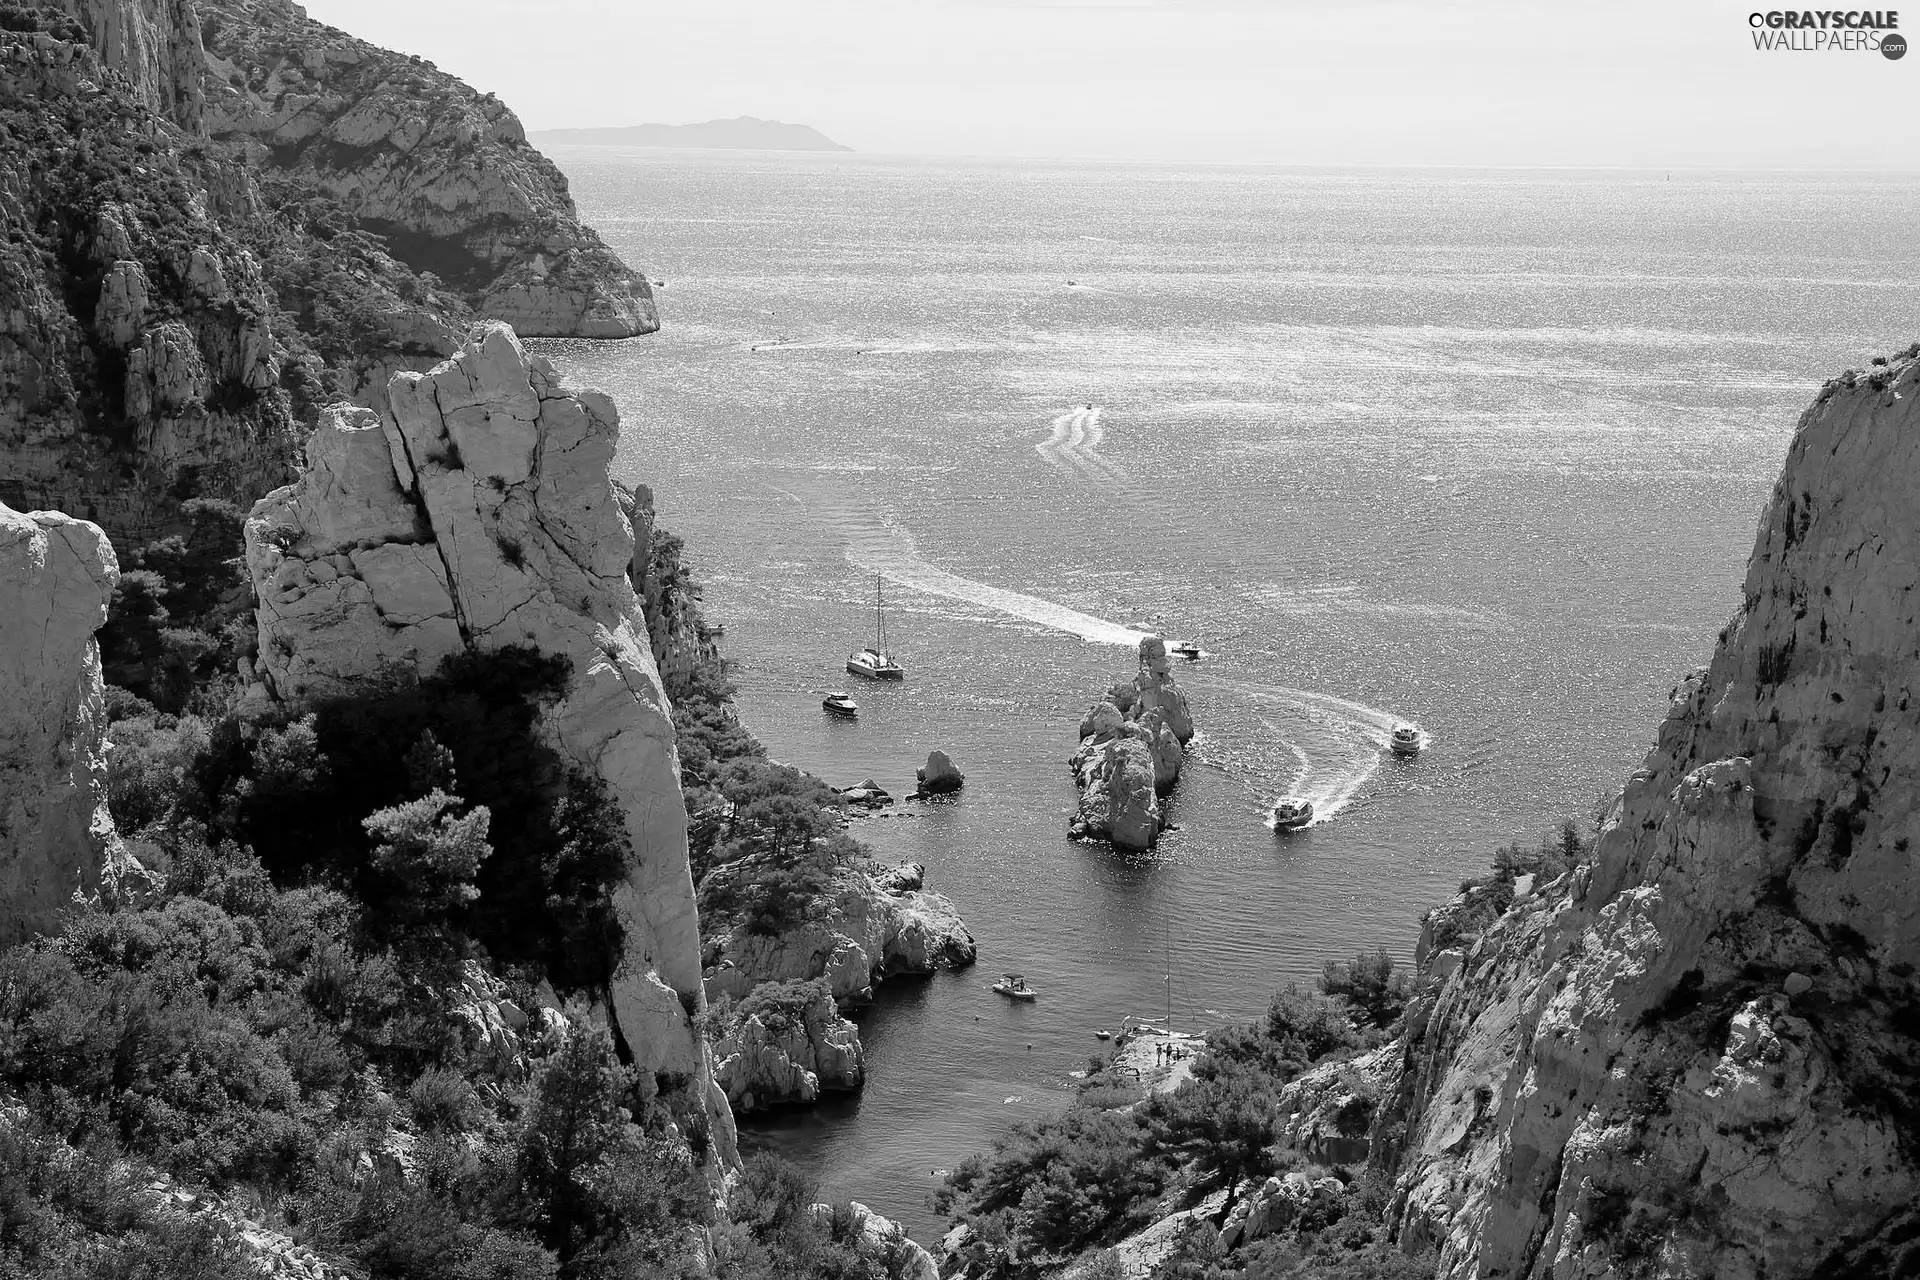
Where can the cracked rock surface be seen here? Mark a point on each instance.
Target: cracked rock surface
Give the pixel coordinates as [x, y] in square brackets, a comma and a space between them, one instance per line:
[480, 515]
[56, 576]
[1699, 1056]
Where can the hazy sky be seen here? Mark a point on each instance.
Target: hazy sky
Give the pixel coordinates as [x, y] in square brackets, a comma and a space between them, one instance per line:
[1605, 82]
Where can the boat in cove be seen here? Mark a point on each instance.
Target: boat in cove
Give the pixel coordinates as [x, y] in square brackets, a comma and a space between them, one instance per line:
[876, 662]
[840, 704]
[1405, 740]
[1014, 987]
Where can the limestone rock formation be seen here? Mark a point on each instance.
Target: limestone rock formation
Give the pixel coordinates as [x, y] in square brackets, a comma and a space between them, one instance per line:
[480, 515]
[1698, 1055]
[446, 174]
[885, 1236]
[680, 639]
[1131, 746]
[56, 576]
[874, 925]
[776, 1057]
[939, 775]
[155, 44]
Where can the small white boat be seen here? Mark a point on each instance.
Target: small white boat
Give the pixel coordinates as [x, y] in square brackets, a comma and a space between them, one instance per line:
[875, 662]
[1405, 740]
[840, 704]
[1185, 649]
[1291, 814]
[1103, 1035]
[1014, 987]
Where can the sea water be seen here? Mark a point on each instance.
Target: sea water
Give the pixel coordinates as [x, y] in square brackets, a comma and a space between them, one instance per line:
[1480, 450]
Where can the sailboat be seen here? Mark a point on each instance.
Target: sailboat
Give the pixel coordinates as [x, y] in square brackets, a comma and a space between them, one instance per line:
[874, 662]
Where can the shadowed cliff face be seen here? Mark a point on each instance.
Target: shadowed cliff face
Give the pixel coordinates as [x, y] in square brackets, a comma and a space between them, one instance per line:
[444, 173]
[1701, 1054]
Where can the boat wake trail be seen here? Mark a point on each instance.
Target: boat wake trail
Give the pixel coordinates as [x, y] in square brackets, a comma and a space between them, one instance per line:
[1328, 747]
[1072, 448]
[878, 547]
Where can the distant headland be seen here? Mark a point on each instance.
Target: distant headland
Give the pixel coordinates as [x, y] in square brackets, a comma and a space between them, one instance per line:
[746, 132]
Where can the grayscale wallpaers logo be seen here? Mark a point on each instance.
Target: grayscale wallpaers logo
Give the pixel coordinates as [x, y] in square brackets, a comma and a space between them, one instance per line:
[1829, 31]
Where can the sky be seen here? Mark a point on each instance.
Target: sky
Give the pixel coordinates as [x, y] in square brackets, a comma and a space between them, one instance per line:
[1372, 82]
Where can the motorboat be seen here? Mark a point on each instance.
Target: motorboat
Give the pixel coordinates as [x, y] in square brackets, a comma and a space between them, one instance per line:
[1185, 648]
[1103, 1034]
[1014, 987]
[875, 662]
[1405, 740]
[840, 704]
[1291, 814]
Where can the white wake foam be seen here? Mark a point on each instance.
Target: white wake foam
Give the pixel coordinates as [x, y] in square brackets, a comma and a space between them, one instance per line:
[1336, 744]
[878, 547]
[1072, 448]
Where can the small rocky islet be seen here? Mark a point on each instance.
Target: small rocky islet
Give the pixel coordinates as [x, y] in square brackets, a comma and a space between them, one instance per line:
[263, 286]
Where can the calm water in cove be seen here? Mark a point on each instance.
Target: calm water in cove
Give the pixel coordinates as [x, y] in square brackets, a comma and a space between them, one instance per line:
[1478, 449]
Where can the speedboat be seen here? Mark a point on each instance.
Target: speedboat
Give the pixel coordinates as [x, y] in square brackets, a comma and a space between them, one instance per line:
[874, 662]
[1185, 648]
[1103, 1034]
[1291, 814]
[840, 704]
[1014, 987]
[1405, 740]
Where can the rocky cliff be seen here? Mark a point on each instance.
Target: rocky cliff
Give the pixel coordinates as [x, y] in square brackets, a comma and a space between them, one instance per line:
[477, 515]
[870, 925]
[443, 173]
[182, 290]
[1700, 1054]
[1131, 745]
[56, 574]
[786, 1046]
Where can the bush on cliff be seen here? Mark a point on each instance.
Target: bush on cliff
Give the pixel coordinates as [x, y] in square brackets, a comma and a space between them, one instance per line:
[180, 615]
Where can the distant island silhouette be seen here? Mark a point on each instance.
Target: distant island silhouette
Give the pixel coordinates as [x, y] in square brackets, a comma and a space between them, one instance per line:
[747, 132]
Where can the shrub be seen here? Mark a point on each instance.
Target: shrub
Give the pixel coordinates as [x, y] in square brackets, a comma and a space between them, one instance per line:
[1371, 983]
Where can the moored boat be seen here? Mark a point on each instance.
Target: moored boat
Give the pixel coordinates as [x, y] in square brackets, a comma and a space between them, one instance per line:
[1014, 987]
[840, 704]
[875, 662]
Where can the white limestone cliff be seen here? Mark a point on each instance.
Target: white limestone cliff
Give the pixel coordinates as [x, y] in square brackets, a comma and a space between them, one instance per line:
[1698, 1055]
[56, 576]
[479, 515]
[1132, 743]
[788, 1054]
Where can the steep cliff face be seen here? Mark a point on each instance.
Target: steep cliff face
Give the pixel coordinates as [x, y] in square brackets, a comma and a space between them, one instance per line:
[179, 305]
[680, 639]
[56, 574]
[155, 44]
[1700, 1055]
[479, 514]
[446, 174]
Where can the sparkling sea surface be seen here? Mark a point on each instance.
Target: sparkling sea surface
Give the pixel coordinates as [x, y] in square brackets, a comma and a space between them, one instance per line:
[1478, 449]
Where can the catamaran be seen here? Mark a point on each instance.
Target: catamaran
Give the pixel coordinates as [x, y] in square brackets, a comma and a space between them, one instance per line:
[875, 662]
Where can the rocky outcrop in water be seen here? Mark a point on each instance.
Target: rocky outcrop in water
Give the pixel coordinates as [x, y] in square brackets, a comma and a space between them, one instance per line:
[786, 1046]
[1699, 1055]
[56, 575]
[870, 926]
[1131, 746]
[939, 775]
[480, 515]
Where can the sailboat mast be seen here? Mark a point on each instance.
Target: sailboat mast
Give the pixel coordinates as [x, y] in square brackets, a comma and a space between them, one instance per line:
[879, 618]
[1169, 938]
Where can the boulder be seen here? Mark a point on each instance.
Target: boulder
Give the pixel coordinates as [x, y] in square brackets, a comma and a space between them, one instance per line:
[939, 775]
[56, 577]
